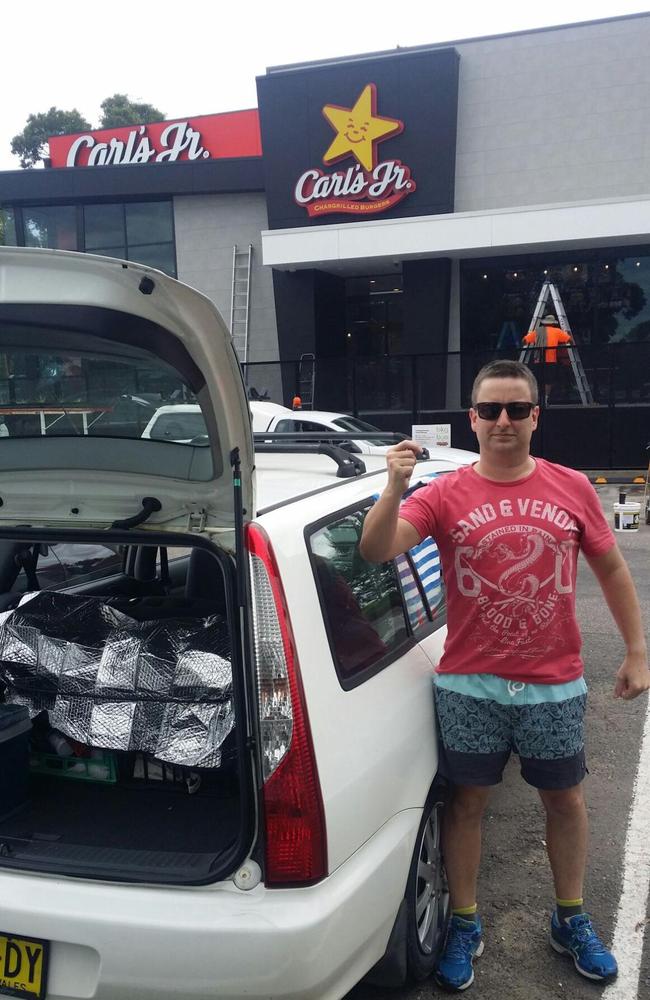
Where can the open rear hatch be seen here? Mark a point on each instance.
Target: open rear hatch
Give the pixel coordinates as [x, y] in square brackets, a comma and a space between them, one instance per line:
[124, 711]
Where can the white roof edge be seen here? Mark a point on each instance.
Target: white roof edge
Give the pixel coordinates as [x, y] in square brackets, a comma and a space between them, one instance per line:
[502, 230]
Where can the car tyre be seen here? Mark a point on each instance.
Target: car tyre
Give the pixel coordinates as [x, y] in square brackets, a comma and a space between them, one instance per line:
[427, 895]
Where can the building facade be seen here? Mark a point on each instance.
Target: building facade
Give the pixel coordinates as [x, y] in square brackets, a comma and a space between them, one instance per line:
[408, 212]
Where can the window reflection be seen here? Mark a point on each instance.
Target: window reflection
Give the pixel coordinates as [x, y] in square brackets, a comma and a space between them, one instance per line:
[606, 296]
[53, 227]
[137, 231]
[7, 227]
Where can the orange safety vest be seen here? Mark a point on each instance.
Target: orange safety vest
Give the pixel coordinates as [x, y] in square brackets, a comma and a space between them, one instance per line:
[554, 338]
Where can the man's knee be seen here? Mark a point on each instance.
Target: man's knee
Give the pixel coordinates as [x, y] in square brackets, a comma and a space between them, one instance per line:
[563, 801]
[468, 803]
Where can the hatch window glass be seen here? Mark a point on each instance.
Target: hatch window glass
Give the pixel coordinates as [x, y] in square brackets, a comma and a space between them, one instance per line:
[362, 601]
[86, 387]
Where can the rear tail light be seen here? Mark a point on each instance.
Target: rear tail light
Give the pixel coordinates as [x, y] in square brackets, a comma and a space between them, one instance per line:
[296, 852]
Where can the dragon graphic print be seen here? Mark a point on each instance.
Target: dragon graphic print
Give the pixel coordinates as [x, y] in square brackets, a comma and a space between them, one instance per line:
[519, 576]
[509, 556]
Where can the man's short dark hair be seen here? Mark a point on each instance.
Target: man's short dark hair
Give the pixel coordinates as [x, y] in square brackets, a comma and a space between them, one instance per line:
[506, 369]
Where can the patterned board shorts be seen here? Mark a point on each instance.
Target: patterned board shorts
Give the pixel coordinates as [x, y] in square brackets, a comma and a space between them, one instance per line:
[482, 719]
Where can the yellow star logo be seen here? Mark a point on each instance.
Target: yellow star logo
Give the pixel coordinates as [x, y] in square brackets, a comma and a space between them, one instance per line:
[358, 129]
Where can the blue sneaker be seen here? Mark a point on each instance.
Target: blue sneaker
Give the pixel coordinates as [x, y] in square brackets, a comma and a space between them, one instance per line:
[576, 937]
[454, 969]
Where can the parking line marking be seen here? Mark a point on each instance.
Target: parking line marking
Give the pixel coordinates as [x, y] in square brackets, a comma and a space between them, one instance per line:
[630, 924]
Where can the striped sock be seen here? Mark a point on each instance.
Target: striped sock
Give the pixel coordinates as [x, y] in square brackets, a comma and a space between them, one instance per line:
[566, 908]
[466, 912]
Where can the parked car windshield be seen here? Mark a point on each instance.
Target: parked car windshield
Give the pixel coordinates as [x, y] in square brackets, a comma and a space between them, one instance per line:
[354, 424]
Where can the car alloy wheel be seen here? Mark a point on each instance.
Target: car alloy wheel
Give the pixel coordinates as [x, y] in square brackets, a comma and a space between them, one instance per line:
[427, 894]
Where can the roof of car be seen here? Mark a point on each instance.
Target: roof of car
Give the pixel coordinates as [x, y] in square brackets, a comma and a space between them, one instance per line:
[282, 479]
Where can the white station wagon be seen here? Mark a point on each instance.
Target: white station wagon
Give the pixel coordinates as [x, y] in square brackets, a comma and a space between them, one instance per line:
[217, 727]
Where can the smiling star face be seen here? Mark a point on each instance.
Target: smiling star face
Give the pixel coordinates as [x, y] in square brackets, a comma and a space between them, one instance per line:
[358, 129]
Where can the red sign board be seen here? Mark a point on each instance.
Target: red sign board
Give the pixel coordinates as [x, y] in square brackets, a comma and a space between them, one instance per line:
[208, 137]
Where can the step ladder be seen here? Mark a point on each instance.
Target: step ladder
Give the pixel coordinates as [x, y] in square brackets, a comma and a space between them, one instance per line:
[240, 300]
[307, 380]
[527, 355]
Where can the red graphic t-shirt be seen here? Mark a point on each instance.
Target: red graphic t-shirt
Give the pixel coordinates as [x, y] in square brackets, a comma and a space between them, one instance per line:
[509, 555]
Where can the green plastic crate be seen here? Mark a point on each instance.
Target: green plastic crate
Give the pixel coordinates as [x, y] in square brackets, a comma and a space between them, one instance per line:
[99, 769]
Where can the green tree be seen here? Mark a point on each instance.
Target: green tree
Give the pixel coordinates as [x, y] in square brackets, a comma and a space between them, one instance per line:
[119, 110]
[31, 144]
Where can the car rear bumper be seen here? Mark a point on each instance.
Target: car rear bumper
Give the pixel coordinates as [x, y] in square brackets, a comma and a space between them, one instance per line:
[116, 942]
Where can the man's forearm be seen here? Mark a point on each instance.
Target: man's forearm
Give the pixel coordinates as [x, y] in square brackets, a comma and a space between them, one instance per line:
[379, 528]
[620, 594]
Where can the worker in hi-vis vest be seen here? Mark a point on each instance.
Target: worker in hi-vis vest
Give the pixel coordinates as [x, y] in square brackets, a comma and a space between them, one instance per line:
[548, 337]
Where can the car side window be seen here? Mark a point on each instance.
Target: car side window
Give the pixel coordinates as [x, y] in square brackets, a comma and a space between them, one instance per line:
[63, 565]
[362, 602]
[287, 426]
[310, 427]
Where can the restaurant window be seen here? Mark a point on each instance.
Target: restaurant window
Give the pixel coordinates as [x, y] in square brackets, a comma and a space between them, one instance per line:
[53, 227]
[7, 227]
[137, 231]
[604, 292]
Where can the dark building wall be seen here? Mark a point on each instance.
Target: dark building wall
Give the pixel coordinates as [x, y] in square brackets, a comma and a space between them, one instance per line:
[310, 312]
[295, 313]
[331, 347]
[426, 285]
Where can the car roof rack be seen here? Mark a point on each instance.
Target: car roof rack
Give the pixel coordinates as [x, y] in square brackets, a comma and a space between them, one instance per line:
[347, 463]
[338, 445]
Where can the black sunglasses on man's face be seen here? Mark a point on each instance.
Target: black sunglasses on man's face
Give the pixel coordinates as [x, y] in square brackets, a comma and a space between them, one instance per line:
[515, 411]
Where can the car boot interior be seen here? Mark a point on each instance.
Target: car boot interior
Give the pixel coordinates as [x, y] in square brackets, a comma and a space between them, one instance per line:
[113, 808]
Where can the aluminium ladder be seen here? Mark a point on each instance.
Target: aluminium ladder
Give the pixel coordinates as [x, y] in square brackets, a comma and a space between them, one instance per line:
[549, 288]
[240, 300]
[306, 380]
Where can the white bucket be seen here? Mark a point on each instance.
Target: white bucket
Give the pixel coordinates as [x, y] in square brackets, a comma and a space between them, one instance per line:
[626, 516]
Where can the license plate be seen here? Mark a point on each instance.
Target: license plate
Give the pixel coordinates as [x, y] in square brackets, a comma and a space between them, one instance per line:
[23, 967]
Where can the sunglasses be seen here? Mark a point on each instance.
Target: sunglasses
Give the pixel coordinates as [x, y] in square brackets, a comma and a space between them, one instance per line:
[515, 411]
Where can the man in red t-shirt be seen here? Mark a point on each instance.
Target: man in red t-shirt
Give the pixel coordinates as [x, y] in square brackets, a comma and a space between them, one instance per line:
[509, 529]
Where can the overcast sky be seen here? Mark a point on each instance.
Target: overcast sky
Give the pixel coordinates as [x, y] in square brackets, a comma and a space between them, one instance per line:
[199, 56]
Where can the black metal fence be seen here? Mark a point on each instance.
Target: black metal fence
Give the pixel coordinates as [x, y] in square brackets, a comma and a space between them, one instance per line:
[609, 431]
